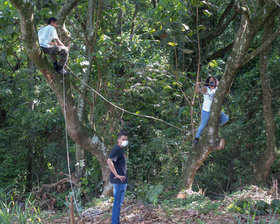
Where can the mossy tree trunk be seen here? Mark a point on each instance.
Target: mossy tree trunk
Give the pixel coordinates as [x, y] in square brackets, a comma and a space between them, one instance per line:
[265, 161]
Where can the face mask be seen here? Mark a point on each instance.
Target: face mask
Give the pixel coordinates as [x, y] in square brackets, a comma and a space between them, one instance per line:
[124, 143]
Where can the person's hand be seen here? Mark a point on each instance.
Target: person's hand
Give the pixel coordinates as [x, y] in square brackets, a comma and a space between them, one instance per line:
[65, 48]
[121, 178]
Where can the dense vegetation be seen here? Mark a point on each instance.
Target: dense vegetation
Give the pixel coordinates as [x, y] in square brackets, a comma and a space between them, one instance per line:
[144, 57]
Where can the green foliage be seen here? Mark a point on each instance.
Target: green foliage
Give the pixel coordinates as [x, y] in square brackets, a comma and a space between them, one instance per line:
[149, 193]
[198, 202]
[255, 207]
[12, 211]
[137, 72]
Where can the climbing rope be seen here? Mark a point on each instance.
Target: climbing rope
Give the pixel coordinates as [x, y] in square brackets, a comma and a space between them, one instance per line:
[124, 110]
[67, 148]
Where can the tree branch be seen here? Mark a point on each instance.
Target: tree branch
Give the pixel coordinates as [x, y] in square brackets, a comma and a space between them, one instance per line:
[62, 181]
[89, 19]
[269, 8]
[221, 26]
[221, 52]
[100, 7]
[61, 17]
[242, 10]
[265, 44]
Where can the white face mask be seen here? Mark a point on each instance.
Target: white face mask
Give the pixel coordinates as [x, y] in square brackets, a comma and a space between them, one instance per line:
[124, 143]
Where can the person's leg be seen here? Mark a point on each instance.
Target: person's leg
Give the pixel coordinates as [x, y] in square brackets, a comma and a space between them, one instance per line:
[119, 192]
[52, 51]
[55, 50]
[63, 57]
[204, 120]
[122, 194]
[223, 118]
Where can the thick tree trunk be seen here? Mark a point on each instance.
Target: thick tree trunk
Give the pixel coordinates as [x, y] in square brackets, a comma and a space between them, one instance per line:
[211, 140]
[265, 162]
[86, 138]
[80, 152]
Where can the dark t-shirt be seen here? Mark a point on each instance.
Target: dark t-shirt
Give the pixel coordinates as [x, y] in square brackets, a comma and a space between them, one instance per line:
[118, 157]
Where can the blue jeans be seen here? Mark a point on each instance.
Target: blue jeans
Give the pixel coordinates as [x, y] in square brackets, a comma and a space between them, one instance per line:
[119, 192]
[204, 120]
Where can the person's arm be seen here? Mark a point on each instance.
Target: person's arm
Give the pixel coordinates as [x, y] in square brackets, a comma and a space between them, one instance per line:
[58, 42]
[200, 89]
[112, 168]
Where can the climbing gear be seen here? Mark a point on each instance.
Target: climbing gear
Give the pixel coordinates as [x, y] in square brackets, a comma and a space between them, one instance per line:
[67, 147]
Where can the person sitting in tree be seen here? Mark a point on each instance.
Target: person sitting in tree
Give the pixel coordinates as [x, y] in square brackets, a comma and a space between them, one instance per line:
[50, 44]
[208, 91]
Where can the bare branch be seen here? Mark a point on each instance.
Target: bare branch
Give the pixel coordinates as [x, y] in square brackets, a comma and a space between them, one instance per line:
[65, 10]
[221, 52]
[269, 8]
[62, 181]
[256, 52]
[221, 26]
[89, 19]
[100, 7]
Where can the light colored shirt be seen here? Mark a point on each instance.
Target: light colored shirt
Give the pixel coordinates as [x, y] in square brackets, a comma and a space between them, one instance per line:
[46, 35]
[208, 99]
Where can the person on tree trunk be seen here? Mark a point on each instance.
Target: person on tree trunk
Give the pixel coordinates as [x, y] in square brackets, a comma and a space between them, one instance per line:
[118, 175]
[208, 91]
[50, 44]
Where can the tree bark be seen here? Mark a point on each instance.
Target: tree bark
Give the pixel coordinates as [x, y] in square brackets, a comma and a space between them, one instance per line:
[266, 160]
[211, 141]
[86, 138]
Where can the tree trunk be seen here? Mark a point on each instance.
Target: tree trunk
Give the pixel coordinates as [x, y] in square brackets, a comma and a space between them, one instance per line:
[211, 140]
[265, 161]
[80, 152]
[86, 138]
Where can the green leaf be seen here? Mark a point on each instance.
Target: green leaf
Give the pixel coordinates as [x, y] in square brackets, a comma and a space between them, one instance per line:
[185, 27]
[187, 51]
[9, 29]
[201, 27]
[172, 44]
[207, 13]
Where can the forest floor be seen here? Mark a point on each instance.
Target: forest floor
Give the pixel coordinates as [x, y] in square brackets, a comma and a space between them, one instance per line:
[200, 210]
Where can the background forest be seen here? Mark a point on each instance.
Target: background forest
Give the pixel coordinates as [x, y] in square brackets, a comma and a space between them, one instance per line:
[145, 57]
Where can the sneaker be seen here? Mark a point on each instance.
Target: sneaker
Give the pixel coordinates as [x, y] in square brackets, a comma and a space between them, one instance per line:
[61, 70]
[195, 141]
[55, 65]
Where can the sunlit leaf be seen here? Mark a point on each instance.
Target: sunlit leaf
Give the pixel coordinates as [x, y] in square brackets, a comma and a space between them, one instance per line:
[185, 27]
[213, 64]
[207, 12]
[172, 44]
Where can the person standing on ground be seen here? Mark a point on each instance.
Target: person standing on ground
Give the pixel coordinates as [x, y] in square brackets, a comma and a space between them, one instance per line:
[208, 91]
[50, 44]
[118, 174]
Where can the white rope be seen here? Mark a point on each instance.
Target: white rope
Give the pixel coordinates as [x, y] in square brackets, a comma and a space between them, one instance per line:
[67, 147]
[124, 110]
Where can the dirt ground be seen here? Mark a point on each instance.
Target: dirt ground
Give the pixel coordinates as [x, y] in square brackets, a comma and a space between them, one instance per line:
[134, 213]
